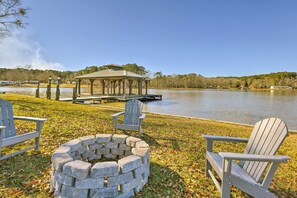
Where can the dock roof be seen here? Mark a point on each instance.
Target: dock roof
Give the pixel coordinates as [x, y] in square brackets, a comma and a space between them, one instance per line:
[109, 73]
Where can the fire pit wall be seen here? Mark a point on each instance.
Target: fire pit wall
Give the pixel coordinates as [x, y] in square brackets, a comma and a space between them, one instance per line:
[123, 169]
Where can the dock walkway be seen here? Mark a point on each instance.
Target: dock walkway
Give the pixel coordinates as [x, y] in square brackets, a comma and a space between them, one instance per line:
[99, 98]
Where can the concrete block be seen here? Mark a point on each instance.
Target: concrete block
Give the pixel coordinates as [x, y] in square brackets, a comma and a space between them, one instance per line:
[126, 195]
[89, 183]
[77, 157]
[124, 147]
[77, 169]
[130, 185]
[102, 169]
[73, 192]
[64, 179]
[111, 145]
[120, 179]
[73, 144]
[128, 153]
[139, 171]
[129, 163]
[58, 162]
[58, 188]
[117, 138]
[52, 184]
[95, 156]
[117, 151]
[112, 181]
[81, 150]
[143, 153]
[141, 144]
[95, 146]
[130, 141]
[88, 154]
[103, 138]
[61, 151]
[104, 192]
[110, 156]
[125, 178]
[87, 140]
[103, 151]
[141, 185]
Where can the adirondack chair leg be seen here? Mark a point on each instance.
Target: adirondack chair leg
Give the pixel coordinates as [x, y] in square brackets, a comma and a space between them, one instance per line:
[140, 131]
[271, 171]
[225, 189]
[226, 180]
[37, 139]
[207, 168]
[39, 126]
[1, 135]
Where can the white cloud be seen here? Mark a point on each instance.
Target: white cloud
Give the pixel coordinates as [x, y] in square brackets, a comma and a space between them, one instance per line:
[18, 50]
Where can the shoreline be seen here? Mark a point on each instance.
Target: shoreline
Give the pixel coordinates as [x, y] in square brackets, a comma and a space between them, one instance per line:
[191, 117]
[64, 85]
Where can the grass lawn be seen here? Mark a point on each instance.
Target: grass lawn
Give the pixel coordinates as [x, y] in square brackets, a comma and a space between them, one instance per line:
[177, 150]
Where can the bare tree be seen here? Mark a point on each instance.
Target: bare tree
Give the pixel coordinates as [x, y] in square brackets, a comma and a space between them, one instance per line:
[11, 14]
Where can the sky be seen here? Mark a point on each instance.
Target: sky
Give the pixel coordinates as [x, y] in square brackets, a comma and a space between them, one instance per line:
[211, 38]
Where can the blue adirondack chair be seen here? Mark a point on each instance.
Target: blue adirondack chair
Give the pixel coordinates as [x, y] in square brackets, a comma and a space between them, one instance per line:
[8, 132]
[133, 117]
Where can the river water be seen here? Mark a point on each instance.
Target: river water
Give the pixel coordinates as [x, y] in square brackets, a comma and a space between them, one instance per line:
[243, 106]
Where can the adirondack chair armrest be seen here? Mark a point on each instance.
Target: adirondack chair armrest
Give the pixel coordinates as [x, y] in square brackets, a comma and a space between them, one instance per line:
[39, 121]
[142, 116]
[224, 138]
[252, 157]
[116, 115]
[32, 119]
[211, 138]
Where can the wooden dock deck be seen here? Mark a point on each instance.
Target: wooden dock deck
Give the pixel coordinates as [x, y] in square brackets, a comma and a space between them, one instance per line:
[99, 98]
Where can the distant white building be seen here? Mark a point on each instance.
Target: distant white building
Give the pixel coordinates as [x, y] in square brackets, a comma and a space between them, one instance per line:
[280, 87]
[6, 83]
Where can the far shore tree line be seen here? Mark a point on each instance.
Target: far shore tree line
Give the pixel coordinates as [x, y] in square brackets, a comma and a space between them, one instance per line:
[193, 80]
[158, 80]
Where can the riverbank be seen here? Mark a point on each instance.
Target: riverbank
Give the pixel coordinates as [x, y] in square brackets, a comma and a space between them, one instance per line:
[177, 150]
[120, 106]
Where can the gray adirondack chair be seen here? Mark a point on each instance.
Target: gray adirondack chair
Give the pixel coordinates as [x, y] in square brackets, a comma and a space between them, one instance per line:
[133, 117]
[258, 163]
[8, 133]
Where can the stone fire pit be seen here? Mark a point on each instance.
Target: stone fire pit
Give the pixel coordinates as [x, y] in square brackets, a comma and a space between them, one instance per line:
[100, 166]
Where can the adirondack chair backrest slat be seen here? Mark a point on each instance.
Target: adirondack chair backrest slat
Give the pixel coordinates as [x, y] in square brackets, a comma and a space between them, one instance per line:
[265, 139]
[268, 147]
[132, 112]
[7, 118]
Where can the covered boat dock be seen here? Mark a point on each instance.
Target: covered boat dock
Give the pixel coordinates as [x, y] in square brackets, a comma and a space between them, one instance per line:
[115, 84]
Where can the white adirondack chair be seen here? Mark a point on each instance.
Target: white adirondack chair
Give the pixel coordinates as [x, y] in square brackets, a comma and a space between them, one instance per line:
[133, 117]
[8, 133]
[252, 175]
